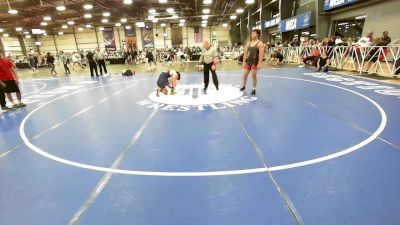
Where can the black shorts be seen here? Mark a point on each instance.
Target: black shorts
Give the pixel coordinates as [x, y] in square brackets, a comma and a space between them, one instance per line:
[11, 86]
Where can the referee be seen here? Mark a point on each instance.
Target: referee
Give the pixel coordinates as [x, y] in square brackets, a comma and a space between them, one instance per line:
[209, 58]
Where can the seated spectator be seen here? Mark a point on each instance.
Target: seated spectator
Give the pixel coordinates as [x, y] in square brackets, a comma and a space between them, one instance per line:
[323, 62]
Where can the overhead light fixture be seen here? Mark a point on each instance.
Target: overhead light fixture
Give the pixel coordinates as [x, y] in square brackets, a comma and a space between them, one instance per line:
[88, 6]
[127, 2]
[207, 2]
[249, 1]
[170, 10]
[6, 35]
[233, 17]
[124, 20]
[203, 25]
[118, 24]
[181, 24]
[104, 20]
[204, 21]
[152, 11]
[60, 8]
[71, 22]
[88, 26]
[28, 36]
[26, 32]
[206, 11]
[205, 17]
[88, 16]
[38, 43]
[151, 17]
[140, 24]
[64, 26]
[106, 14]
[60, 33]
[101, 28]
[128, 27]
[155, 21]
[225, 25]
[45, 34]
[162, 1]
[43, 23]
[18, 29]
[175, 17]
[1, 30]
[80, 29]
[163, 25]
[361, 17]
[182, 20]
[47, 18]
[13, 12]
[239, 11]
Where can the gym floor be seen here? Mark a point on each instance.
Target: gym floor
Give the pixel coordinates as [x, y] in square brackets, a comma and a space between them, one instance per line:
[307, 149]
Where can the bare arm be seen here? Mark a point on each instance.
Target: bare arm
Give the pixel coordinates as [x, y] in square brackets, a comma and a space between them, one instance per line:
[14, 73]
[260, 53]
[245, 54]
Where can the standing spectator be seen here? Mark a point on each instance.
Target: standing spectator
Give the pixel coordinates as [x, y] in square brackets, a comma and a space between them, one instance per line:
[100, 57]
[92, 63]
[9, 82]
[386, 40]
[150, 57]
[32, 63]
[50, 62]
[64, 60]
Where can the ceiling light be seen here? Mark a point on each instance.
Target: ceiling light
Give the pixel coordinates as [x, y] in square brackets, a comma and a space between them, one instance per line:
[118, 24]
[104, 20]
[60, 33]
[26, 32]
[88, 6]
[101, 28]
[155, 20]
[43, 23]
[127, 2]
[361, 17]
[239, 10]
[140, 24]
[182, 20]
[128, 27]
[60, 8]
[88, 16]
[162, 1]
[13, 12]
[206, 11]
[1, 30]
[124, 20]
[163, 25]
[233, 17]
[80, 29]
[71, 22]
[151, 17]
[47, 18]
[205, 17]
[249, 1]
[152, 11]
[106, 14]
[64, 26]
[38, 43]
[18, 29]
[207, 2]
[88, 26]
[175, 17]
[225, 25]
[204, 21]
[203, 25]
[28, 36]
[6, 35]
[170, 10]
[181, 24]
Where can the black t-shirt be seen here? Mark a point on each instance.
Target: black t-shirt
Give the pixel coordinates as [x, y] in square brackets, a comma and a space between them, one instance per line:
[50, 59]
[90, 57]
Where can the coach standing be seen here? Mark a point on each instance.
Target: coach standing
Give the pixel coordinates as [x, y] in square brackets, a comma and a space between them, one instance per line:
[209, 58]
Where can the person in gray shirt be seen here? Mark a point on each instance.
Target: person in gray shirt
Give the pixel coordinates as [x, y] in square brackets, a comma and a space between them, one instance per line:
[209, 58]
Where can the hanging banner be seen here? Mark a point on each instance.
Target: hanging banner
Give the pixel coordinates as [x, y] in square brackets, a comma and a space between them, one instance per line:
[296, 23]
[147, 36]
[130, 38]
[109, 39]
[331, 4]
[176, 36]
[198, 34]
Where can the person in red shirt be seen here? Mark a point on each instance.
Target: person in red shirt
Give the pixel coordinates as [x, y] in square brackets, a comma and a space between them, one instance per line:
[9, 83]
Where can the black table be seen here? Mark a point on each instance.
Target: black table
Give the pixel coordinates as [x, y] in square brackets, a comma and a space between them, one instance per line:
[195, 57]
[22, 65]
[117, 61]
